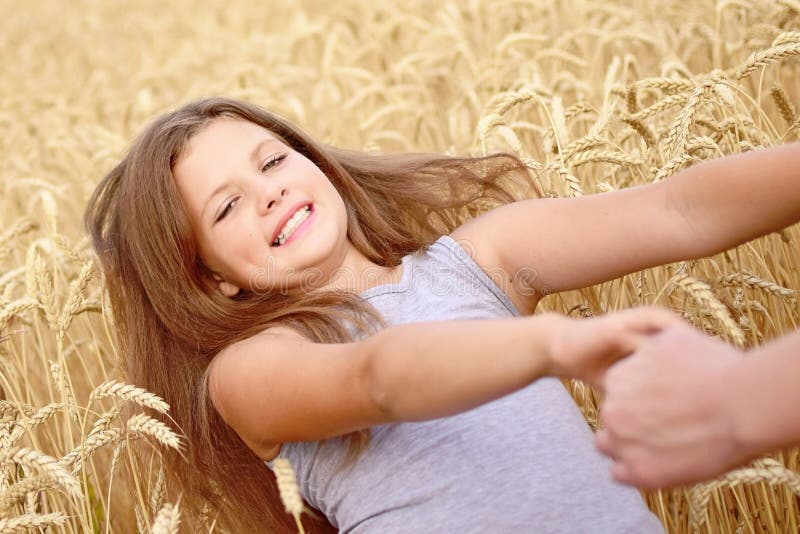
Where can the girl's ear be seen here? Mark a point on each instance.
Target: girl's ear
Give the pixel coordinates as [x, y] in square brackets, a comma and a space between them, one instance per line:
[227, 289]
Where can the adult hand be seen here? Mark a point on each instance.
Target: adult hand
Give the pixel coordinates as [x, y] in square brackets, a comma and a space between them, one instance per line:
[669, 412]
[585, 348]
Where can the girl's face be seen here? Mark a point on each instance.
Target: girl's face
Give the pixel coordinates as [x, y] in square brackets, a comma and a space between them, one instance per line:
[266, 218]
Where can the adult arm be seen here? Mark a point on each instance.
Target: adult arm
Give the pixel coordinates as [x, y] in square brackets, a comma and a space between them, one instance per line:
[558, 244]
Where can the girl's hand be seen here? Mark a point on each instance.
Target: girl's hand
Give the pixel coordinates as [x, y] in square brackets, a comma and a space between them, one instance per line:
[585, 348]
[668, 415]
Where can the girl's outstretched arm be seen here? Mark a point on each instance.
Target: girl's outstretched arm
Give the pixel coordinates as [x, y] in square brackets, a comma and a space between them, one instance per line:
[569, 243]
[277, 386]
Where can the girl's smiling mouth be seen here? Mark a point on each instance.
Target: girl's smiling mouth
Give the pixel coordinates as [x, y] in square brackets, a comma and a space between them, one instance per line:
[292, 227]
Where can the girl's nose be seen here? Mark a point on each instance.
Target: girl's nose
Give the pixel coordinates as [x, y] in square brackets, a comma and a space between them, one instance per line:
[271, 198]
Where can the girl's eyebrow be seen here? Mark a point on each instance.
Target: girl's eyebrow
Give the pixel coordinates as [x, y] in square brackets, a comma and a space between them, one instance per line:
[253, 158]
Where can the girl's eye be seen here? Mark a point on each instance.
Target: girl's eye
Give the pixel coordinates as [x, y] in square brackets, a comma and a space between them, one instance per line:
[228, 207]
[271, 162]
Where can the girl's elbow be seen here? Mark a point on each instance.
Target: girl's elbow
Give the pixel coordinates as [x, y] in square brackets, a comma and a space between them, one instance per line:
[377, 377]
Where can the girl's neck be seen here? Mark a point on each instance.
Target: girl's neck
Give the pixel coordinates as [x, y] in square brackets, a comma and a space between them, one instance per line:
[356, 273]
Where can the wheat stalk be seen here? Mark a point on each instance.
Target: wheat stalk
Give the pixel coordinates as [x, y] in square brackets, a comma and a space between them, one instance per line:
[673, 165]
[141, 522]
[579, 108]
[782, 101]
[159, 491]
[77, 294]
[287, 486]
[63, 245]
[422, 78]
[699, 143]
[26, 523]
[118, 450]
[15, 309]
[501, 103]
[167, 520]
[40, 416]
[787, 37]
[78, 456]
[42, 289]
[679, 131]
[765, 470]
[667, 85]
[701, 292]
[141, 424]
[762, 58]
[641, 129]
[631, 100]
[130, 393]
[15, 408]
[20, 489]
[751, 280]
[44, 464]
[19, 228]
[7, 281]
[62, 382]
[605, 156]
[581, 145]
[105, 419]
[570, 180]
[660, 106]
[559, 120]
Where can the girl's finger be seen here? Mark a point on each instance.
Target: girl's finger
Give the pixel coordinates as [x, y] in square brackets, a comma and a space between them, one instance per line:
[603, 442]
[630, 343]
[621, 473]
[653, 320]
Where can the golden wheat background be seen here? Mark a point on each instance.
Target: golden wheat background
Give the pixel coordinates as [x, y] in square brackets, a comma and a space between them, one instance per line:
[593, 95]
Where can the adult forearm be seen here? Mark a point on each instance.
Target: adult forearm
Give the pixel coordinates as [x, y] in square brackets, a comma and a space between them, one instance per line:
[766, 386]
[731, 200]
[424, 371]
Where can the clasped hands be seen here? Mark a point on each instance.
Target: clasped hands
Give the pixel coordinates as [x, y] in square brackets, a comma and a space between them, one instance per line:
[669, 412]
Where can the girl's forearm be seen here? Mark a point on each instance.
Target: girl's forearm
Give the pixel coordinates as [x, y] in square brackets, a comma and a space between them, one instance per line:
[731, 200]
[765, 389]
[437, 369]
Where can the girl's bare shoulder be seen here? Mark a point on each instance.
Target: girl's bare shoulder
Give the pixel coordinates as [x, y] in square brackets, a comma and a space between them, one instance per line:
[476, 238]
[278, 386]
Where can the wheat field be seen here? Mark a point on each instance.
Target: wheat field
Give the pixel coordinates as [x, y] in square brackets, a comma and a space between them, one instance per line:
[592, 95]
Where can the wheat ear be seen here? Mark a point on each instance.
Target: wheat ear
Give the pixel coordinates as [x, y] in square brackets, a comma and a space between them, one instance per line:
[167, 520]
[28, 522]
[45, 465]
[782, 101]
[22, 488]
[762, 58]
[141, 424]
[78, 456]
[703, 295]
[751, 280]
[131, 393]
[290, 493]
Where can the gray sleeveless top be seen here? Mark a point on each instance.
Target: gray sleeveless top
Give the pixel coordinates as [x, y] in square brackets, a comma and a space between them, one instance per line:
[522, 463]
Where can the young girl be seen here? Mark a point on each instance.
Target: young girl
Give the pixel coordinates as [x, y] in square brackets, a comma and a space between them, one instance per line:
[288, 298]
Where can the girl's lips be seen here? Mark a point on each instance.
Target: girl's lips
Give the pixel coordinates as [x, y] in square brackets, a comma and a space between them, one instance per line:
[288, 215]
[302, 229]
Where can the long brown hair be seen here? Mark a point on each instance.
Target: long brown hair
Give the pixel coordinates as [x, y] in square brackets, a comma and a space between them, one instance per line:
[172, 321]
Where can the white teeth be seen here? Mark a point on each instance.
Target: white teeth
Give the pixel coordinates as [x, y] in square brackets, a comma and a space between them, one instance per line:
[292, 224]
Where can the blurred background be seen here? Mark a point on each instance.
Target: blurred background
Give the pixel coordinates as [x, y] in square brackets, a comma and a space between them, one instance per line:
[592, 95]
